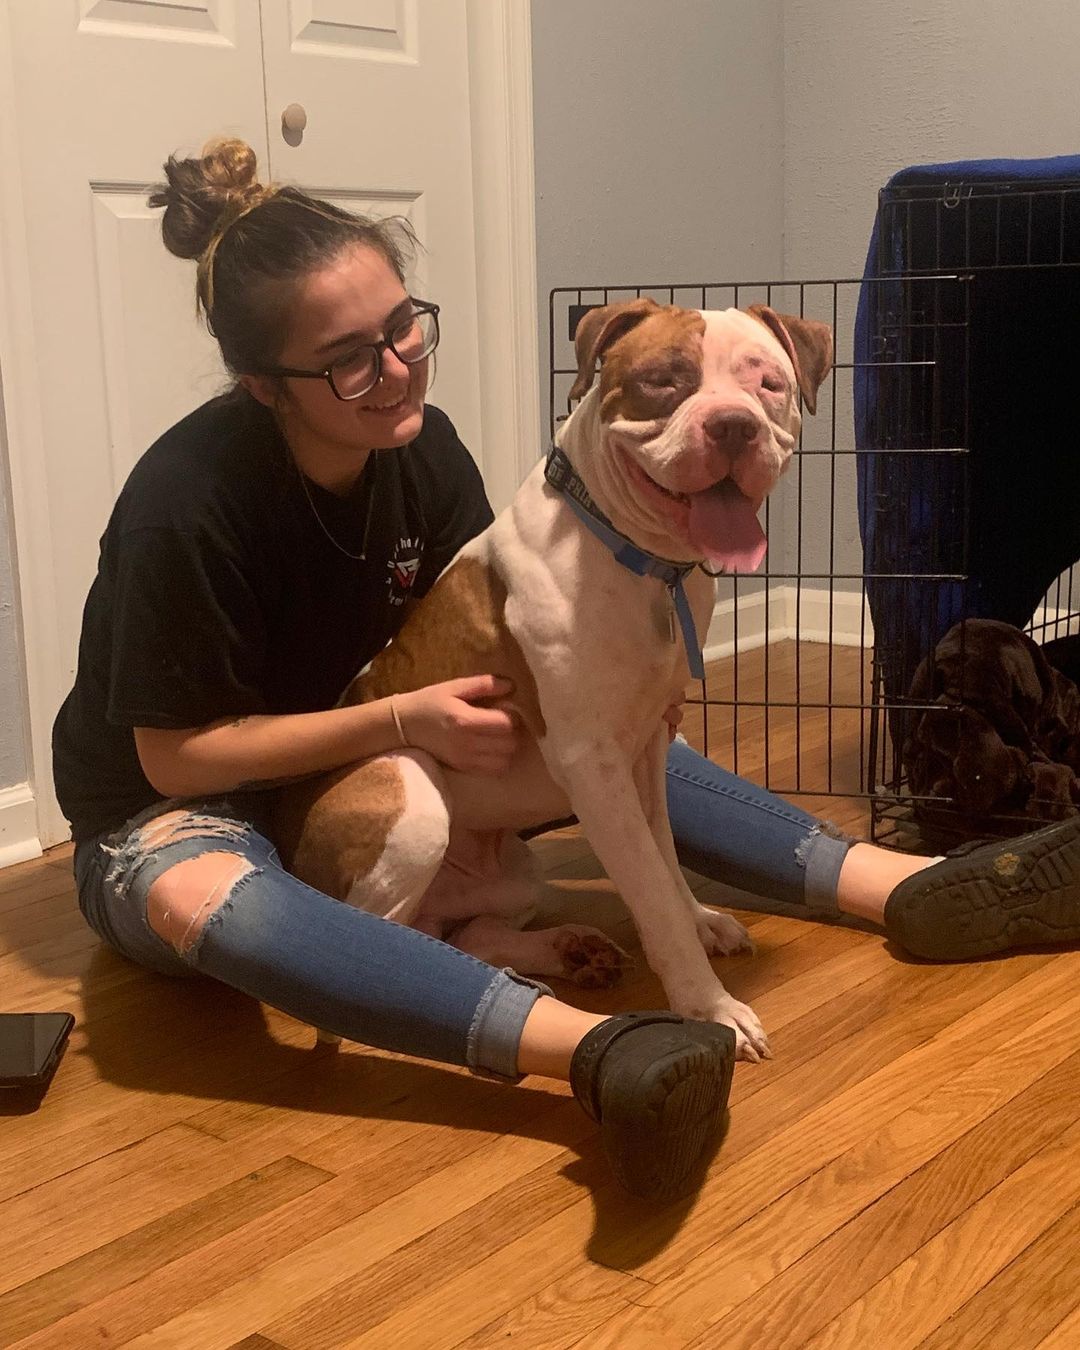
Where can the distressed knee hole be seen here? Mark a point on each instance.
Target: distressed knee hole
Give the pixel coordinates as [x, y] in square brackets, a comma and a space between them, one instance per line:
[173, 826]
[183, 898]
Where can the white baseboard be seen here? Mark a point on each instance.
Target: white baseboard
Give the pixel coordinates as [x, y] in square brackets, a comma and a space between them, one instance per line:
[810, 614]
[18, 825]
[839, 617]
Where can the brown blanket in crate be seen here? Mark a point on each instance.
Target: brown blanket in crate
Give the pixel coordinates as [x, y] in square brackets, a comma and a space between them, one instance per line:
[1002, 739]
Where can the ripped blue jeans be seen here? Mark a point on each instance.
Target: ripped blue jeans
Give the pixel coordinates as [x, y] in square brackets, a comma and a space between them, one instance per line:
[370, 980]
[269, 935]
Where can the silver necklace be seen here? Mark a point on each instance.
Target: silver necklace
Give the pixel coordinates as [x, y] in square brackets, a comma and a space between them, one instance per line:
[356, 557]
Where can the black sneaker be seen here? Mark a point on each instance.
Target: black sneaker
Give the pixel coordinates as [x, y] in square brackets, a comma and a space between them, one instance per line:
[658, 1084]
[991, 897]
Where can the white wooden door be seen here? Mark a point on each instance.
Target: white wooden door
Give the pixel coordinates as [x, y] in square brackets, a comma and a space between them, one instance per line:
[384, 85]
[100, 92]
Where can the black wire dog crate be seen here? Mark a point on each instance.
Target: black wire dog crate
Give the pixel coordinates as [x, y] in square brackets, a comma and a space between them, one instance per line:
[938, 482]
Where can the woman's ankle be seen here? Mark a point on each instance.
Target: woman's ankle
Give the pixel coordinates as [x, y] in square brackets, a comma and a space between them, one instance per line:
[868, 877]
[552, 1032]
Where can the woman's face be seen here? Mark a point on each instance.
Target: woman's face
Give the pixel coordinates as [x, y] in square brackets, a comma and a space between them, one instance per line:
[356, 299]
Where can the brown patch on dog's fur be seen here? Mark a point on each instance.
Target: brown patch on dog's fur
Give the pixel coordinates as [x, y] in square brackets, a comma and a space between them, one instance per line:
[598, 329]
[323, 838]
[332, 829]
[654, 367]
[458, 629]
[652, 358]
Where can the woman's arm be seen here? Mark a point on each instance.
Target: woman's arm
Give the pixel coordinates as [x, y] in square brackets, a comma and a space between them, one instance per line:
[262, 750]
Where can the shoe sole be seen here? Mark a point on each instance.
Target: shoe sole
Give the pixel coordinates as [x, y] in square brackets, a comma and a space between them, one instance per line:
[1022, 892]
[661, 1131]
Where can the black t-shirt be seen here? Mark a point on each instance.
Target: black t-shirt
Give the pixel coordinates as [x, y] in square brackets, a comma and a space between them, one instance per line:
[219, 593]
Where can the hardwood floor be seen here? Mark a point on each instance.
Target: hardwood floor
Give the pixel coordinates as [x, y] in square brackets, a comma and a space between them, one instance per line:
[905, 1171]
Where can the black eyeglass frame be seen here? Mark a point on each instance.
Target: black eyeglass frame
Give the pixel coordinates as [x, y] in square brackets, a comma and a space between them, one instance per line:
[419, 307]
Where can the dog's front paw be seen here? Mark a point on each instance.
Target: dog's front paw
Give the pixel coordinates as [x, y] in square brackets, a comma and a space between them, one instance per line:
[751, 1043]
[589, 957]
[721, 934]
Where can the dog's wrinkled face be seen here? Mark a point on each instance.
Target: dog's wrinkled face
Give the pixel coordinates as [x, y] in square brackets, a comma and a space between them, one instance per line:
[699, 413]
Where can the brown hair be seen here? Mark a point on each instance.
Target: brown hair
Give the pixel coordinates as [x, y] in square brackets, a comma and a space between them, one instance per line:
[254, 243]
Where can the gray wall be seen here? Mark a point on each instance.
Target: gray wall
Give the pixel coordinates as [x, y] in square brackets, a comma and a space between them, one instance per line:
[658, 143]
[659, 150]
[871, 87]
[658, 140]
[12, 727]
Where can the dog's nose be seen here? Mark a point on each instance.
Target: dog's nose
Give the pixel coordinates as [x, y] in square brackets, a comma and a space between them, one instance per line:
[730, 427]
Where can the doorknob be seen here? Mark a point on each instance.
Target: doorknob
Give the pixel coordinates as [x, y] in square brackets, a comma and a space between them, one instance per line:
[293, 122]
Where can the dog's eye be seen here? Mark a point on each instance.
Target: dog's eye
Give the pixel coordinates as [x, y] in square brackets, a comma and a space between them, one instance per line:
[660, 394]
[772, 383]
[660, 398]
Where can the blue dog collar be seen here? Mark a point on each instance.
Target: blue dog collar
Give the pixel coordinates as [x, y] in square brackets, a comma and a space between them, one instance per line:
[559, 472]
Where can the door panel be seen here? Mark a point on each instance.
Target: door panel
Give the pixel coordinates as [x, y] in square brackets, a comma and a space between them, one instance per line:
[376, 29]
[212, 21]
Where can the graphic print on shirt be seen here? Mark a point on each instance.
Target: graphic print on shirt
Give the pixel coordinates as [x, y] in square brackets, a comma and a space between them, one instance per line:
[403, 566]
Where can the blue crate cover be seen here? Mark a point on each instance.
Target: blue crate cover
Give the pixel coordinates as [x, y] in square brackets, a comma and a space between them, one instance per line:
[1000, 389]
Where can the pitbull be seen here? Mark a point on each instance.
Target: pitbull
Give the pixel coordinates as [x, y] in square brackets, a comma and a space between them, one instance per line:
[691, 424]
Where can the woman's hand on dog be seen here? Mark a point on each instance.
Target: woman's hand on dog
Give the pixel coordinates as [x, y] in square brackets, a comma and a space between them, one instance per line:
[444, 720]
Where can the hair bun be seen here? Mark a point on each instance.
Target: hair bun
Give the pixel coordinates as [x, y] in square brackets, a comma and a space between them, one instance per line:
[199, 192]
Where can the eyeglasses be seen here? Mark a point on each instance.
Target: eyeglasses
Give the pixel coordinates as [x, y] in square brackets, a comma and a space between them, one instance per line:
[357, 373]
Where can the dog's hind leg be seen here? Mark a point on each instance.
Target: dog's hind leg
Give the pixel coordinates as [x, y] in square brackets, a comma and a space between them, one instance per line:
[414, 847]
[374, 835]
[489, 887]
[572, 951]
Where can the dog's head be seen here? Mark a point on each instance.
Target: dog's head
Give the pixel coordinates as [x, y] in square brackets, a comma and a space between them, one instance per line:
[698, 414]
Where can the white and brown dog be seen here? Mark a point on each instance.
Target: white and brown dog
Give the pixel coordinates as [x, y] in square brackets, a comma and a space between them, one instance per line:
[692, 423]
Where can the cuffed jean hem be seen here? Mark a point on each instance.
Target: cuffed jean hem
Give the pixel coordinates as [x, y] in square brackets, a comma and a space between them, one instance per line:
[822, 855]
[495, 1034]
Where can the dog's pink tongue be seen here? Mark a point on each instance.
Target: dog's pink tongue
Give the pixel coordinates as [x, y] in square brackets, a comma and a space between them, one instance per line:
[724, 525]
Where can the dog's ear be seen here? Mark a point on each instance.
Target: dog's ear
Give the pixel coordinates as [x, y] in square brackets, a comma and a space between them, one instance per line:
[598, 329]
[807, 342]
